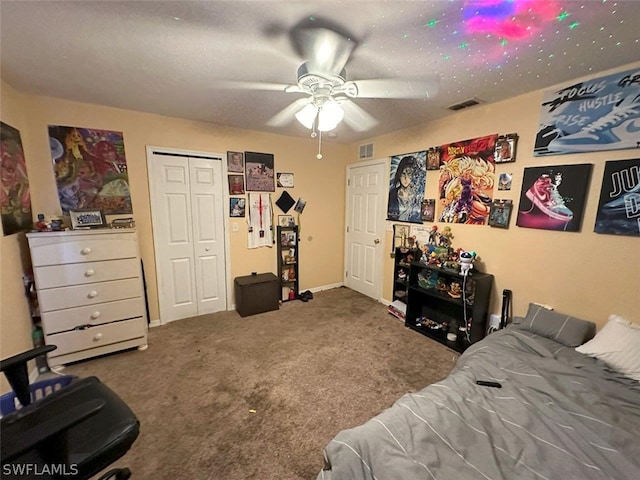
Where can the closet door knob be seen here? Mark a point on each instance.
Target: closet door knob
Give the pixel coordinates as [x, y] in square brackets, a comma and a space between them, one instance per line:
[95, 315]
[92, 294]
[90, 273]
[97, 337]
[86, 251]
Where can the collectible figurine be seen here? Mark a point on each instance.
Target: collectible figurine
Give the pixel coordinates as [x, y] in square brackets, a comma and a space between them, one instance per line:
[466, 262]
[433, 235]
[445, 237]
[456, 290]
[41, 225]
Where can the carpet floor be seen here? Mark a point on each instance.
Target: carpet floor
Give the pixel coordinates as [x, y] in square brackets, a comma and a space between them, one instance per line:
[223, 397]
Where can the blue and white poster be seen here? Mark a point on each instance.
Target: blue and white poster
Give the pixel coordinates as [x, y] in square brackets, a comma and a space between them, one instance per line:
[619, 206]
[591, 116]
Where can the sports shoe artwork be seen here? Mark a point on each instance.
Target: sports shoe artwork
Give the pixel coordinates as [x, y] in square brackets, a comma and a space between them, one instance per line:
[544, 195]
[553, 197]
[599, 114]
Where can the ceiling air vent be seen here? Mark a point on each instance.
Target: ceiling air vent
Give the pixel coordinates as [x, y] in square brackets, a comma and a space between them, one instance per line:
[465, 104]
[366, 151]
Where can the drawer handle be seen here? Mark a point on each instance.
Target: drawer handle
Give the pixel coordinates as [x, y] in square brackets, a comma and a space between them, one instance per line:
[92, 294]
[97, 337]
[86, 251]
[95, 315]
[90, 273]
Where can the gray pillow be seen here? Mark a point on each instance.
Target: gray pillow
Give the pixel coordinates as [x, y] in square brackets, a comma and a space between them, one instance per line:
[569, 331]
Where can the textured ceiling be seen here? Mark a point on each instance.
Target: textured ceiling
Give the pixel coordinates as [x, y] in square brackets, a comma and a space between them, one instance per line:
[172, 57]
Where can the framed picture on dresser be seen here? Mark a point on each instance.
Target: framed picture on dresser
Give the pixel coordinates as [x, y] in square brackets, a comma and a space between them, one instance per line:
[87, 218]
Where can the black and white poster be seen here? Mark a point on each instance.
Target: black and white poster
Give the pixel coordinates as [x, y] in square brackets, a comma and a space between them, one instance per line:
[619, 206]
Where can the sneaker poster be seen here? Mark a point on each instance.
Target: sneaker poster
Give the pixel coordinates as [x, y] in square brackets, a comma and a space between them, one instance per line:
[596, 115]
[554, 197]
[619, 206]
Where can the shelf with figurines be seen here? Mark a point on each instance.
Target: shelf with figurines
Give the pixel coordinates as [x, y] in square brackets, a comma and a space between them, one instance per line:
[447, 298]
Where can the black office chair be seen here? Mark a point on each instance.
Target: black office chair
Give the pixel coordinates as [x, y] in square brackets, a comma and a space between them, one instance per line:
[74, 432]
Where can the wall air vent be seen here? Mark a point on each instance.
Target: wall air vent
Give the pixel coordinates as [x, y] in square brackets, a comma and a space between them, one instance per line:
[366, 151]
[465, 104]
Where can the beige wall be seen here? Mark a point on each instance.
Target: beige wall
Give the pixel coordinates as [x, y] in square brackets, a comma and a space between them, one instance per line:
[321, 232]
[585, 274]
[15, 322]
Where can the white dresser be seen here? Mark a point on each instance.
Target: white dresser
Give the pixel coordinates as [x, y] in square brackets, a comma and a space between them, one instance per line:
[90, 292]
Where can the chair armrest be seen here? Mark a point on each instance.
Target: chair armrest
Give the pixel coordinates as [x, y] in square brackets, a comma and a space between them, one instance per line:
[24, 431]
[15, 369]
[24, 357]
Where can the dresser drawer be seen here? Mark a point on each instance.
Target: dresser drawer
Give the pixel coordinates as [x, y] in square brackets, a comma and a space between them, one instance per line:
[100, 313]
[93, 337]
[48, 251]
[90, 294]
[91, 272]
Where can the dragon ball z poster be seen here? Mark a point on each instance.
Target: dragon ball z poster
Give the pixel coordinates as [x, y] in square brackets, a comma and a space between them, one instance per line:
[90, 169]
[467, 176]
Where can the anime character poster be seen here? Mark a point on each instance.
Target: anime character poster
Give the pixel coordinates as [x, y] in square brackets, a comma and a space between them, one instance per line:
[15, 199]
[406, 187]
[619, 206]
[595, 115]
[467, 176]
[553, 197]
[90, 169]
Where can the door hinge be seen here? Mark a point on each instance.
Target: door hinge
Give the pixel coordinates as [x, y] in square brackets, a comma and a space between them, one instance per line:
[346, 274]
[348, 182]
[347, 228]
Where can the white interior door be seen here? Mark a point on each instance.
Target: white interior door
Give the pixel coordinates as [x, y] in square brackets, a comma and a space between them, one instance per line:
[208, 234]
[188, 230]
[366, 198]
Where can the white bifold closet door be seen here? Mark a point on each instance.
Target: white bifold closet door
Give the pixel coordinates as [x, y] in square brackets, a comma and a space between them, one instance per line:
[188, 230]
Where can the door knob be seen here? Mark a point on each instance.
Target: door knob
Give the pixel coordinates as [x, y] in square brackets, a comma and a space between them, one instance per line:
[376, 241]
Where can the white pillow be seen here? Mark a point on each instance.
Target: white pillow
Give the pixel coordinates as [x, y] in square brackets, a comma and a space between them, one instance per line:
[618, 345]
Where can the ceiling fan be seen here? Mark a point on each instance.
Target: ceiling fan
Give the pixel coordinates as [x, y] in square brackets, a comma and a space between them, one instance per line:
[328, 94]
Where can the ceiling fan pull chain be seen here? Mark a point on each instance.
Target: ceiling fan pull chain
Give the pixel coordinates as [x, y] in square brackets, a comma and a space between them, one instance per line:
[319, 156]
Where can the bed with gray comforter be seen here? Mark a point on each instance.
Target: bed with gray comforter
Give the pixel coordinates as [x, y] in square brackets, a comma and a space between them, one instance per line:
[559, 414]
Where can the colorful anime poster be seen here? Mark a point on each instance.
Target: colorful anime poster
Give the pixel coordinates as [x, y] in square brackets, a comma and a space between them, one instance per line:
[553, 197]
[619, 206]
[406, 187]
[90, 169]
[15, 199]
[595, 115]
[467, 176]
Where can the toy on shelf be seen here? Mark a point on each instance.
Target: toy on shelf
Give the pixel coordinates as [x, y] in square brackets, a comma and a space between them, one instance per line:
[465, 260]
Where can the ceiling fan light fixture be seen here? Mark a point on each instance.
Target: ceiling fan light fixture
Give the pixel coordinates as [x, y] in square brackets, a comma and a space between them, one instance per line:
[329, 115]
[307, 115]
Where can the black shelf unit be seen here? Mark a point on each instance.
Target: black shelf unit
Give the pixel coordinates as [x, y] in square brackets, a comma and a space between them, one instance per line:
[288, 262]
[434, 312]
[401, 267]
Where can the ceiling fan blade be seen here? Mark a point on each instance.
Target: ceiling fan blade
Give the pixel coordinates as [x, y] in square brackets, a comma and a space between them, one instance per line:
[238, 85]
[324, 50]
[356, 117]
[396, 88]
[286, 115]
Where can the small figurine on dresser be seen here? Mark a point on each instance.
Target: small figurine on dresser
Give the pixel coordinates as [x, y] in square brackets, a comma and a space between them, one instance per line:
[57, 225]
[41, 225]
